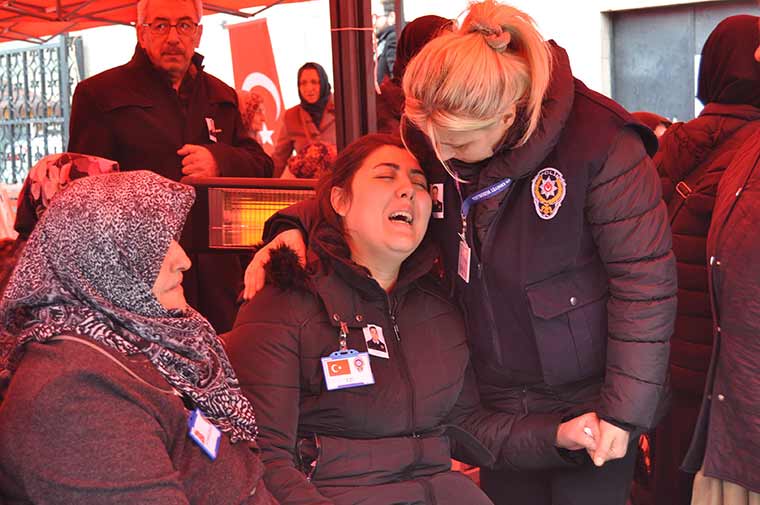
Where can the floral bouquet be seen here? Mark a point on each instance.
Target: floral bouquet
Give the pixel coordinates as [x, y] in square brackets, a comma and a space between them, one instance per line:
[313, 161]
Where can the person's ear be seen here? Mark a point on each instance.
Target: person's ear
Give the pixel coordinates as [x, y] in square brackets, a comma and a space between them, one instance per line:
[198, 36]
[391, 18]
[142, 34]
[339, 201]
[509, 115]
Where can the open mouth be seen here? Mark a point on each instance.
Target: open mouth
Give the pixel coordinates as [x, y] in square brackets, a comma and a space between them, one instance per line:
[401, 216]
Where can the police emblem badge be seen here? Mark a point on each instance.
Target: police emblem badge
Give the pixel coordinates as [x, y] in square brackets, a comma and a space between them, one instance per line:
[549, 190]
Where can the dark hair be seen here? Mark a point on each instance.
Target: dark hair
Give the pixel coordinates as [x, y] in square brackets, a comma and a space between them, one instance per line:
[342, 175]
[389, 6]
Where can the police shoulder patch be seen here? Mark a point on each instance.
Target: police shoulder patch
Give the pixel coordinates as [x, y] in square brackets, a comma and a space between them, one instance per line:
[549, 190]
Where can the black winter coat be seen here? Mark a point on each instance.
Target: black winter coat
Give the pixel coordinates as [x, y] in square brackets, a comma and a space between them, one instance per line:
[132, 115]
[386, 51]
[726, 441]
[587, 294]
[378, 444]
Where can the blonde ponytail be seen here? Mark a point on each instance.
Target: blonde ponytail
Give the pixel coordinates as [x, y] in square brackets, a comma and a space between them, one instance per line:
[471, 78]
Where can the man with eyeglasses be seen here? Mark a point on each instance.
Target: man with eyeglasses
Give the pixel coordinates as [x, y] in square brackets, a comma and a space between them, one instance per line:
[161, 111]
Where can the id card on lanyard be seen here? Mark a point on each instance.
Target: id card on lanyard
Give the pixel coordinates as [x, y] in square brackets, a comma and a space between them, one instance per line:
[463, 263]
[346, 368]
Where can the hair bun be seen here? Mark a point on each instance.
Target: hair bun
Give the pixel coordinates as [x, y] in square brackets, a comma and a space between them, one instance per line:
[496, 37]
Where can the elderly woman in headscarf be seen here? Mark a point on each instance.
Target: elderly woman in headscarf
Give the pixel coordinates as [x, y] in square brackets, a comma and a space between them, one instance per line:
[313, 120]
[691, 161]
[114, 390]
[414, 36]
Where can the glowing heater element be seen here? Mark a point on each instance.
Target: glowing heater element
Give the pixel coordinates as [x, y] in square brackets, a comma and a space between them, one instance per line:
[229, 212]
[237, 215]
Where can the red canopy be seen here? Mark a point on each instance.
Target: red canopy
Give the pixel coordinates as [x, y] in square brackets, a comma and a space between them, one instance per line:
[39, 20]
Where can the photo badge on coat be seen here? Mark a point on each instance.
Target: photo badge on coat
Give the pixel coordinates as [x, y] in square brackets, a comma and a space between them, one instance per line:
[376, 346]
[436, 195]
[549, 190]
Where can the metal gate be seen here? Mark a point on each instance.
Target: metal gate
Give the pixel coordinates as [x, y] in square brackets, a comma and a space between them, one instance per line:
[35, 103]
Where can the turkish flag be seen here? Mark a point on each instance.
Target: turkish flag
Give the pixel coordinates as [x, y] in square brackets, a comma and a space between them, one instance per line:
[339, 367]
[254, 70]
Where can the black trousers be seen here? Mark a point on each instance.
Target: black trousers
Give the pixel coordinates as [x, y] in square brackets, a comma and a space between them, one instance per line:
[584, 485]
[587, 485]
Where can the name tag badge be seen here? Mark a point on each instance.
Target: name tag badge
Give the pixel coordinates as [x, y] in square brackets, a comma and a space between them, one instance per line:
[463, 265]
[347, 369]
[203, 433]
[212, 130]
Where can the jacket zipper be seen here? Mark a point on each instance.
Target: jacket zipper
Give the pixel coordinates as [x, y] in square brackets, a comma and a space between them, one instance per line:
[404, 368]
[429, 494]
[480, 259]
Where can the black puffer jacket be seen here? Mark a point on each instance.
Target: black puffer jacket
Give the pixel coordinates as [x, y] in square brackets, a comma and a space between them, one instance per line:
[585, 294]
[378, 444]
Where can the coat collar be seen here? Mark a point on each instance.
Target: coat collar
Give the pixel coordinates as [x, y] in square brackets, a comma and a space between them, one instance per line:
[140, 63]
[343, 286]
[742, 112]
[522, 161]
[692, 142]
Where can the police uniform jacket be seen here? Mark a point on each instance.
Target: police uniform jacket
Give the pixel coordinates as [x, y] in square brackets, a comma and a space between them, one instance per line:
[572, 279]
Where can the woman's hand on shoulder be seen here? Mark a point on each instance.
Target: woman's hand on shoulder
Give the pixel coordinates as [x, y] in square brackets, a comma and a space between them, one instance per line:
[255, 275]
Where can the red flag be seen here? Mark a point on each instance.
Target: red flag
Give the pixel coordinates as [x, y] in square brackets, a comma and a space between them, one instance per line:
[339, 367]
[254, 70]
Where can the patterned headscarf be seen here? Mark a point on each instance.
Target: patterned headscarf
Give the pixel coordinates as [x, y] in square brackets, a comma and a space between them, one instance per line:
[249, 104]
[88, 270]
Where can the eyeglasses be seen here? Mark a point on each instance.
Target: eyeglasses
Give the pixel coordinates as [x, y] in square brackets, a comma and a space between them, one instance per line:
[184, 27]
